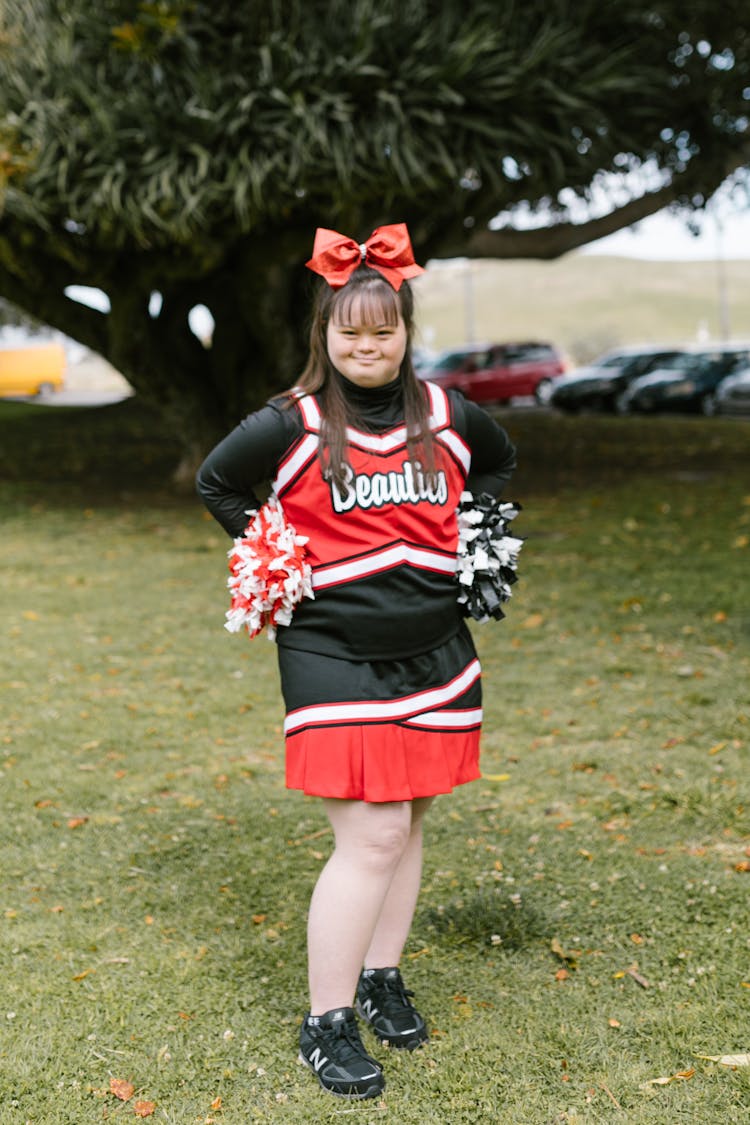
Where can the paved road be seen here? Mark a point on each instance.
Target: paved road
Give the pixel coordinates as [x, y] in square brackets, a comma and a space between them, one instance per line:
[89, 396]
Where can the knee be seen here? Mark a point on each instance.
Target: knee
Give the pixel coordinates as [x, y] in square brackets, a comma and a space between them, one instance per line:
[383, 846]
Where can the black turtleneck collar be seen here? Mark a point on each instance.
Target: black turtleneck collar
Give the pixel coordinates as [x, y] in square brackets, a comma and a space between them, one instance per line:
[375, 406]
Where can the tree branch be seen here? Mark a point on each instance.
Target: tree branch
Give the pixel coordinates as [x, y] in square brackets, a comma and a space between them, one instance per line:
[48, 304]
[36, 268]
[559, 238]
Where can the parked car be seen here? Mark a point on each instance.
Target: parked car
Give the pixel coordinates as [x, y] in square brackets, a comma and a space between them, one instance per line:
[733, 393]
[686, 382]
[33, 370]
[596, 386]
[497, 372]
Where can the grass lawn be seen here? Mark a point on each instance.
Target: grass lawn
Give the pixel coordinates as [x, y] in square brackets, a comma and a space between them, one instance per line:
[582, 939]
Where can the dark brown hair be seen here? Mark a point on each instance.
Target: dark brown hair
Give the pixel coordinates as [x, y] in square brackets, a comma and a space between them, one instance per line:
[366, 298]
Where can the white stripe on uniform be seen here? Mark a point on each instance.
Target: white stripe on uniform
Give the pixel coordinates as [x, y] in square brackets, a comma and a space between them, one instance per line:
[383, 710]
[390, 557]
[304, 452]
[457, 720]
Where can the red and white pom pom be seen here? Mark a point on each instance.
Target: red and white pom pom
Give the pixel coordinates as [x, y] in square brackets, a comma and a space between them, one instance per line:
[269, 575]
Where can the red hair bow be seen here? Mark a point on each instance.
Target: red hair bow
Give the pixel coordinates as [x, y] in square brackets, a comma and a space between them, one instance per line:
[387, 250]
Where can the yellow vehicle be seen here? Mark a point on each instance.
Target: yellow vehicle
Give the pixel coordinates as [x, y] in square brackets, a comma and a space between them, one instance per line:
[33, 370]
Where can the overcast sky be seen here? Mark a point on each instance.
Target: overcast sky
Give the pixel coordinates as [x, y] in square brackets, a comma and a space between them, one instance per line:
[666, 237]
[724, 225]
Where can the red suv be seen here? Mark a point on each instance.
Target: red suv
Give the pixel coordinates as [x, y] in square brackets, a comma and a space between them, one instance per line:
[497, 372]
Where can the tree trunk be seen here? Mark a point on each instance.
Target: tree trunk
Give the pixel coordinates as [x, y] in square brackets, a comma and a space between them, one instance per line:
[202, 391]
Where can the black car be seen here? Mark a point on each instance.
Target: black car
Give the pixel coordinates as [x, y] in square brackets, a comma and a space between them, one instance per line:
[597, 386]
[686, 383]
[733, 393]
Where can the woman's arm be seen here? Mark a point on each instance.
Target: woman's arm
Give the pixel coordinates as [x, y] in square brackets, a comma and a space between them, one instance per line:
[493, 455]
[227, 479]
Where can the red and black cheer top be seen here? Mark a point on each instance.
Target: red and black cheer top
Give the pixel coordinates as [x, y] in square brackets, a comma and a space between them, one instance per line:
[382, 547]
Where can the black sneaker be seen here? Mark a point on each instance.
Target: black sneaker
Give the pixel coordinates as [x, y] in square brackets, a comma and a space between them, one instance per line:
[330, 1045]
[383, 1001]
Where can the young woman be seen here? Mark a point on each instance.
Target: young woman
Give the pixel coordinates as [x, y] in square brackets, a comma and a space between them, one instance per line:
[379, 674]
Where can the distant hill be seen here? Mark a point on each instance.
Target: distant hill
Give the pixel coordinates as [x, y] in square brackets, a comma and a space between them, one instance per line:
[583, 303]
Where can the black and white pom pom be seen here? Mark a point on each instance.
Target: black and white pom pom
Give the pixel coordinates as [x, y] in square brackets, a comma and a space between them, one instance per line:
[487, 555]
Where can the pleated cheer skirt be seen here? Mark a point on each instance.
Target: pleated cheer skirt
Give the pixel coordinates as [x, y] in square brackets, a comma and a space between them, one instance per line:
[382, 730]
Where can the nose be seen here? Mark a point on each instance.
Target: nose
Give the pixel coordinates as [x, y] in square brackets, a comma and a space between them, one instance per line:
[366, 344]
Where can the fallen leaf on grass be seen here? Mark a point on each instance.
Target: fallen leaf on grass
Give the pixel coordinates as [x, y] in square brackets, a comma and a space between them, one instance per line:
[121, 1088]
[77, 821]
[533, 621]
[727, 1060]
[681, 1074]
[570, 958]
[216, 1103]
[144, 1108]
[495, 777]
[744, 865]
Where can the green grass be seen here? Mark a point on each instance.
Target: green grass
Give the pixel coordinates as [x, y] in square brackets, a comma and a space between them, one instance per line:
[155, 873]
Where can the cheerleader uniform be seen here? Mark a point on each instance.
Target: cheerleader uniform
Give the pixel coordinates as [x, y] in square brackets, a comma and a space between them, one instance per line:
[379, 674]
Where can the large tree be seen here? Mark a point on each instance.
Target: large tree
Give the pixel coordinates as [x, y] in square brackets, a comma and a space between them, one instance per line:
[189, 148]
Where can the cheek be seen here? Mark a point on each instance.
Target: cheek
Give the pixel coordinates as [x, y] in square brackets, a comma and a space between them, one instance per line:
[333, 345]
[400, 348]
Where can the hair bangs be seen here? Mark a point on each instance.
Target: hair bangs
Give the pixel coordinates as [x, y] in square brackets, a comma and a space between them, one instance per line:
[375, 302]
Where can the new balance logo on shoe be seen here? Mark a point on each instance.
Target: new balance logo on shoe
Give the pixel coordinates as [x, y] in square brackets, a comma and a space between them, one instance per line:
[368, 1010]
[317, 1059]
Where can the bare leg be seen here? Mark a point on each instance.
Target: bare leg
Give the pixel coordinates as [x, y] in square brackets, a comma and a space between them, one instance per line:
[395, 918]
[349, 895]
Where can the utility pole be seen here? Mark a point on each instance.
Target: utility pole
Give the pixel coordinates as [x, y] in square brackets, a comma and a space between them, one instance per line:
[725, 329]
[469, 321]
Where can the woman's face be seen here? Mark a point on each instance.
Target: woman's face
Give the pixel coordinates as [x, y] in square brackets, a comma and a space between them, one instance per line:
[367, 354]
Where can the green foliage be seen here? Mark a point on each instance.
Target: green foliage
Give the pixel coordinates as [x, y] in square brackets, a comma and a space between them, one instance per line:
[175, 120]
